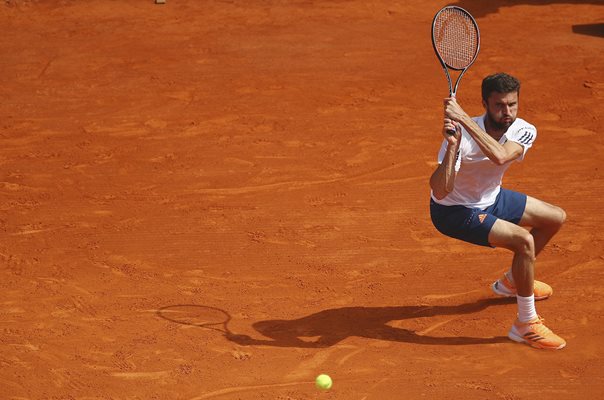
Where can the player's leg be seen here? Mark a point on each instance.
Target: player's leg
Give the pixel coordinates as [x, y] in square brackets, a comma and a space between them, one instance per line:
[521, 243]
[545, 220]
[483, 228]
[528, 327]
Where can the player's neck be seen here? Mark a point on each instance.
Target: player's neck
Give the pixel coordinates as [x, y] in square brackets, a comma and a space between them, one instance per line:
[493, 131]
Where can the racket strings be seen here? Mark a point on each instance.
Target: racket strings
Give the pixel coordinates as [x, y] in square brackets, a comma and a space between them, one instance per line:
[456, 38]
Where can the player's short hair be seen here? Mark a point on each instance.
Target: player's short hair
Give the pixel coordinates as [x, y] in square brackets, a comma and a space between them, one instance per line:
[501, 83]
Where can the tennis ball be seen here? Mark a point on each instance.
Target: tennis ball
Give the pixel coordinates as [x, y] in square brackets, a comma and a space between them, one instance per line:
[323, 382]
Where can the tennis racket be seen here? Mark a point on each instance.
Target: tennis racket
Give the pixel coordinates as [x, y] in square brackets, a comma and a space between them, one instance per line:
[456, 41]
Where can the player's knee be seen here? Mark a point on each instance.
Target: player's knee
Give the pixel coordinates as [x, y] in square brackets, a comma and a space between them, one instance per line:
[557, 217]
[561, 216]
[525, 244]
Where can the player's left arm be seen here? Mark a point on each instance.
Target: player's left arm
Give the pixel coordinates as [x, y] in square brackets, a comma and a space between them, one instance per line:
[496, 152]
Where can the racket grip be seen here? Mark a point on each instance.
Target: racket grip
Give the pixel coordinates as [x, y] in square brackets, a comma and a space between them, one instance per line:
[451, 132]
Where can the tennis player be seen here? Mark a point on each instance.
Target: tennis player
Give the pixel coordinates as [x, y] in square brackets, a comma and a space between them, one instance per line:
[469, 204]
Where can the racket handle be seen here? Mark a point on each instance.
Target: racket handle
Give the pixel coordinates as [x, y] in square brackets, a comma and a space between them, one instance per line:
[451, 132]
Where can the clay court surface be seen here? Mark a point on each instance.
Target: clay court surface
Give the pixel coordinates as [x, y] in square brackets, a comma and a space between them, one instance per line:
[266, 162]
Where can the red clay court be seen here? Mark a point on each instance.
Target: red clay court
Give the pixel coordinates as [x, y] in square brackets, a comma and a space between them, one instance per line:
[266, 164]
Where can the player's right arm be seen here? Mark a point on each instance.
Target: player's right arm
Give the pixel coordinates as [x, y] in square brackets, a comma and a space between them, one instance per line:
[442, 180]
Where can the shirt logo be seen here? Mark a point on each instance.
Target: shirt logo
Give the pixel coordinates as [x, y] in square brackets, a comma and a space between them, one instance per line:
[527, 136]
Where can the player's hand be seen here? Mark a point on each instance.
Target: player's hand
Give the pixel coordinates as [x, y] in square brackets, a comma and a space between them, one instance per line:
[453, 110]
[451, 126]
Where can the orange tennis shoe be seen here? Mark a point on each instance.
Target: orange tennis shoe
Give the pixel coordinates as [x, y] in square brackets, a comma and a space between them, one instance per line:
[503, 287]
[536, 334]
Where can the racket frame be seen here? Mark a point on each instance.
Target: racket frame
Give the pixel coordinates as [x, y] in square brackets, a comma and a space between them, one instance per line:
[453, 89]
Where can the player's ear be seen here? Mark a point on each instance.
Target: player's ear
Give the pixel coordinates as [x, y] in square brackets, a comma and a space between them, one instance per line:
[484, 104]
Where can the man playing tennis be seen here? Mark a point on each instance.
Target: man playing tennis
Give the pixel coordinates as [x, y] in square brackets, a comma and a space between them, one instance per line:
[469, 204]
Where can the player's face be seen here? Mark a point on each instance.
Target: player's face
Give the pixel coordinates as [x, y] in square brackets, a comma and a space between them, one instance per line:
[502, 109]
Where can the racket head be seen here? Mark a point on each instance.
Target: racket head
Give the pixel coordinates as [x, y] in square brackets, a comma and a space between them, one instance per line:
[455, 37]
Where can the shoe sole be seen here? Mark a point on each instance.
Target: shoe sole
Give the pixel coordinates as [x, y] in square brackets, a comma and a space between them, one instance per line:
[535, 345]
[504, 294]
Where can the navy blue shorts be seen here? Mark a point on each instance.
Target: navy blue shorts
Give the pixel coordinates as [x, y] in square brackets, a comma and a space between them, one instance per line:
[473, 224]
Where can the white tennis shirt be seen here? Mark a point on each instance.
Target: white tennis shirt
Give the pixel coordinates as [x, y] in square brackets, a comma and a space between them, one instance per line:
[478, 179]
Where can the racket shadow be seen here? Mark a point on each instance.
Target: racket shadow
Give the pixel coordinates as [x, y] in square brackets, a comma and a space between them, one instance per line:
[329, 327]
[201, 316]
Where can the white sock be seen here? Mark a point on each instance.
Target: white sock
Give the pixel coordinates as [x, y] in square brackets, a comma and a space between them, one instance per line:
[526, 308]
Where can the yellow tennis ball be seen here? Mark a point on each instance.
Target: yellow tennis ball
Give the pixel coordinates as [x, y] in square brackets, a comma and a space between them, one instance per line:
[323, 382]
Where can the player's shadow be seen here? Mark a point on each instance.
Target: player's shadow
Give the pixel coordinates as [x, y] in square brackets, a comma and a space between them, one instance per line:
[590, 29]
[329, 327]
[481, 8]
